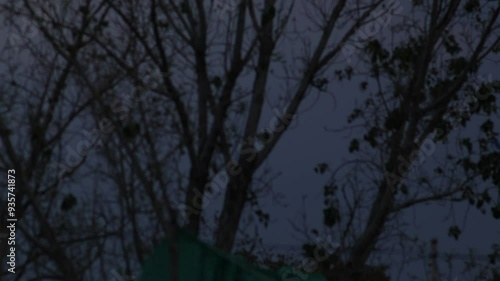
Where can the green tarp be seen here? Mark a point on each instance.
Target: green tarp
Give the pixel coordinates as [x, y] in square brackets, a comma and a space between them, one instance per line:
[201, 262]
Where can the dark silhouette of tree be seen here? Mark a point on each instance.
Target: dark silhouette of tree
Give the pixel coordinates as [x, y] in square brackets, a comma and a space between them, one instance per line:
[125, 118]
[427, 85]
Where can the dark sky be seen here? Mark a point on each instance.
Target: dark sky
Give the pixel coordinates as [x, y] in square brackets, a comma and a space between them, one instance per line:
[307, 143]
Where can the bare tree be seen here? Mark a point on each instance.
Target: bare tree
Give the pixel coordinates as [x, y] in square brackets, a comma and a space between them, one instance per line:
[124, 119]
[166, 95]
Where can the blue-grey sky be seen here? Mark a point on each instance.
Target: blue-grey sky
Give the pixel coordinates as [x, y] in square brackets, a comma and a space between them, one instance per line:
[308, 143]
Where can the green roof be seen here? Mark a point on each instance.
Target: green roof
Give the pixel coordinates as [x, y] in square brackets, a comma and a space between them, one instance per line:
[201, 262]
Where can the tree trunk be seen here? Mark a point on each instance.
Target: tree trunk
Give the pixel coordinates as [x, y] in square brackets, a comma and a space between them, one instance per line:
[234, 203]
[194, 198]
